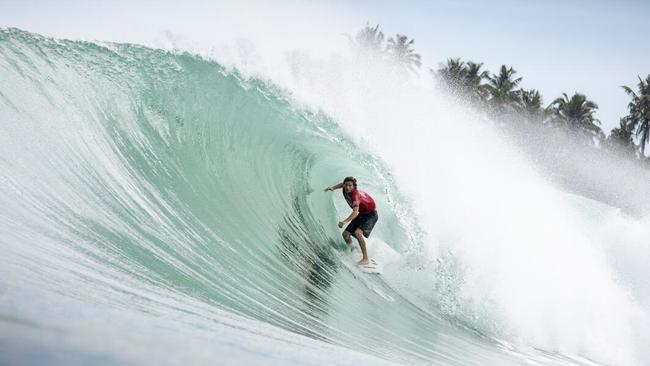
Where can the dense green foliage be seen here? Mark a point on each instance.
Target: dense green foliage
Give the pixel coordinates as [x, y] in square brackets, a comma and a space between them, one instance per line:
[501, 97]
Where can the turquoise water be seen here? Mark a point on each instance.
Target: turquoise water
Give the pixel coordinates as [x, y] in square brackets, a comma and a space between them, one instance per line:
[157, 208]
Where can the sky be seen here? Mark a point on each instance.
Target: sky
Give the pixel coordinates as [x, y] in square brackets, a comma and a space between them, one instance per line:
[591, 47]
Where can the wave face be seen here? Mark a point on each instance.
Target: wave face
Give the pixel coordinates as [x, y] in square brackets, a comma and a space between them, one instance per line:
[141, 183]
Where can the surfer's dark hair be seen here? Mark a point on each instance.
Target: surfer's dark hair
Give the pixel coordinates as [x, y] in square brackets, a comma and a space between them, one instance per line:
[350, 179]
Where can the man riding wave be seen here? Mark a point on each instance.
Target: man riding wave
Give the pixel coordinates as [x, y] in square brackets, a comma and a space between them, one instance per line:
[363, 217]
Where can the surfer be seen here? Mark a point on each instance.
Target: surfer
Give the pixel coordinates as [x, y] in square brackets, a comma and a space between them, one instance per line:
[363, 217]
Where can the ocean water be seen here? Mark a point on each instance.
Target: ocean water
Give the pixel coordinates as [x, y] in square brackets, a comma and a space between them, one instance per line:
[161, 208]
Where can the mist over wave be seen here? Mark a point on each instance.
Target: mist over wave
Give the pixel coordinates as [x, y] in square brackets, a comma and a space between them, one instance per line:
[531, 263]
[169, 184]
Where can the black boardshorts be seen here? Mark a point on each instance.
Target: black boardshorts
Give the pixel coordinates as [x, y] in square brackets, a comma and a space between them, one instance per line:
[364, 222]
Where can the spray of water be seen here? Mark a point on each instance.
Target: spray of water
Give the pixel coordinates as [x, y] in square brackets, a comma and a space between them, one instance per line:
[529, 266]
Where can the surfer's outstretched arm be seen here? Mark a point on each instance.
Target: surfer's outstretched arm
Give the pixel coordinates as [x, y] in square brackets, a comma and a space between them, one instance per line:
[334, 187]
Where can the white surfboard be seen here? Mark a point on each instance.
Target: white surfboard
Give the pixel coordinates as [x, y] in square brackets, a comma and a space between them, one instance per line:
[360, 273]
[380, 254]
[372, 267]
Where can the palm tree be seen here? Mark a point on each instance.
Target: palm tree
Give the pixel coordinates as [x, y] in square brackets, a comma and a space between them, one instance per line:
[399, 48]
[639, 110]
[463, 78]
[453, 74]
[577, 113]
[474, 75]
[369, 39]
[529, 105]
[621, 136]
[502, 89]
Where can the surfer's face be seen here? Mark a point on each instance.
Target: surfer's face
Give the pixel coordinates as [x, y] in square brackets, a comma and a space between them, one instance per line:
[349, 187]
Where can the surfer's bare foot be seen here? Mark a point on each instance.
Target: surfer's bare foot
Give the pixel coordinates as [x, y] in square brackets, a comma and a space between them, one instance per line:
[363, 262]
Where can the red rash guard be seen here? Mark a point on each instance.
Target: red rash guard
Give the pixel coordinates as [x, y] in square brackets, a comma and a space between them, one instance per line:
[361, 199]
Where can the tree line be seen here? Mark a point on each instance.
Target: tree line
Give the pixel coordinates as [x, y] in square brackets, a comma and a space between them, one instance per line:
[503, 99]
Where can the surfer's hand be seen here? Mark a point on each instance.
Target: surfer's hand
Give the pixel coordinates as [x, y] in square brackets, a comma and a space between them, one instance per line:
[341, 223]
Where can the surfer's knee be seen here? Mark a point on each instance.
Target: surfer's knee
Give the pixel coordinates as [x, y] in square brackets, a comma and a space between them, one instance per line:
[358, 233]
[346, 235]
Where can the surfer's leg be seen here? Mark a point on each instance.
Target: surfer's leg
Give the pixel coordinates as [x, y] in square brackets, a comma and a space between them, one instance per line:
[358, 233]
[348, 238]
